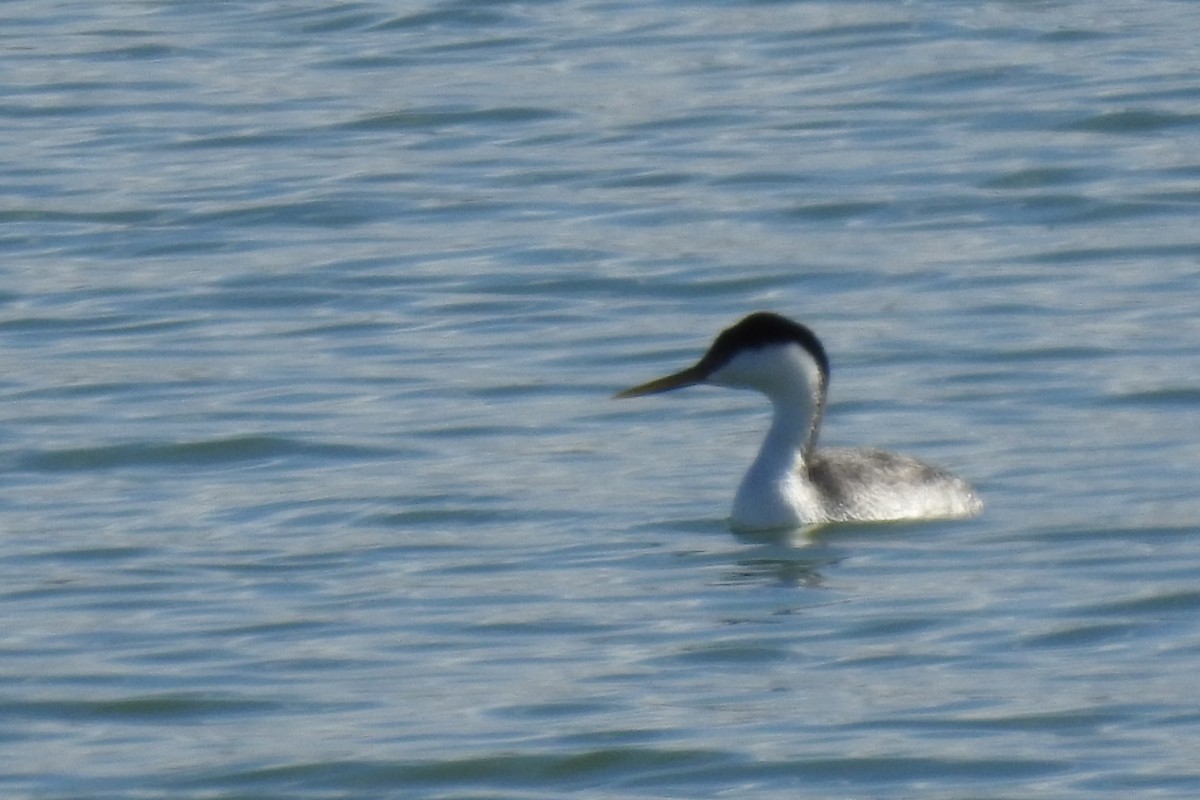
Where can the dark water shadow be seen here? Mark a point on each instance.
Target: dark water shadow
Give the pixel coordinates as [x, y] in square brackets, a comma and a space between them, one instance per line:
[795, 557]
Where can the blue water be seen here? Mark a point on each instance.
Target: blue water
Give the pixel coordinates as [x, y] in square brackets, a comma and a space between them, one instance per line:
[309, 321]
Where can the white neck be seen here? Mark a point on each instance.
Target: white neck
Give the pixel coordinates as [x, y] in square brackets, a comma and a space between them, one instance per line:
[773, 493]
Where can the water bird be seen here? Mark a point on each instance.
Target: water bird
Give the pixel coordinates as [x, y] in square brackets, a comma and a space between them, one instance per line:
[791, 482]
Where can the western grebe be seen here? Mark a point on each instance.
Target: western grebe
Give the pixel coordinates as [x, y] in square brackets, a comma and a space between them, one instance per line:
[791, 483]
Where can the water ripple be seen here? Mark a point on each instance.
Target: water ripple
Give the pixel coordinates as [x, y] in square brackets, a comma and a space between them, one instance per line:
[210, 452]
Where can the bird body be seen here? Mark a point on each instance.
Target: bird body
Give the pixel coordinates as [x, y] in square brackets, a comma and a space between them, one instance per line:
[792, 482]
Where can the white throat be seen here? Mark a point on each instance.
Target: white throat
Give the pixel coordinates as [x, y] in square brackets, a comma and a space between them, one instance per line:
[774, 493]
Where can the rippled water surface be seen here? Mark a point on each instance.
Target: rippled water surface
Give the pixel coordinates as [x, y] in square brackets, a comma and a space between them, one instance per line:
[309, 321]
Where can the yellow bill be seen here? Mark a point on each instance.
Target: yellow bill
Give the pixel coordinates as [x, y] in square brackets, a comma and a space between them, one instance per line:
[688, 377]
